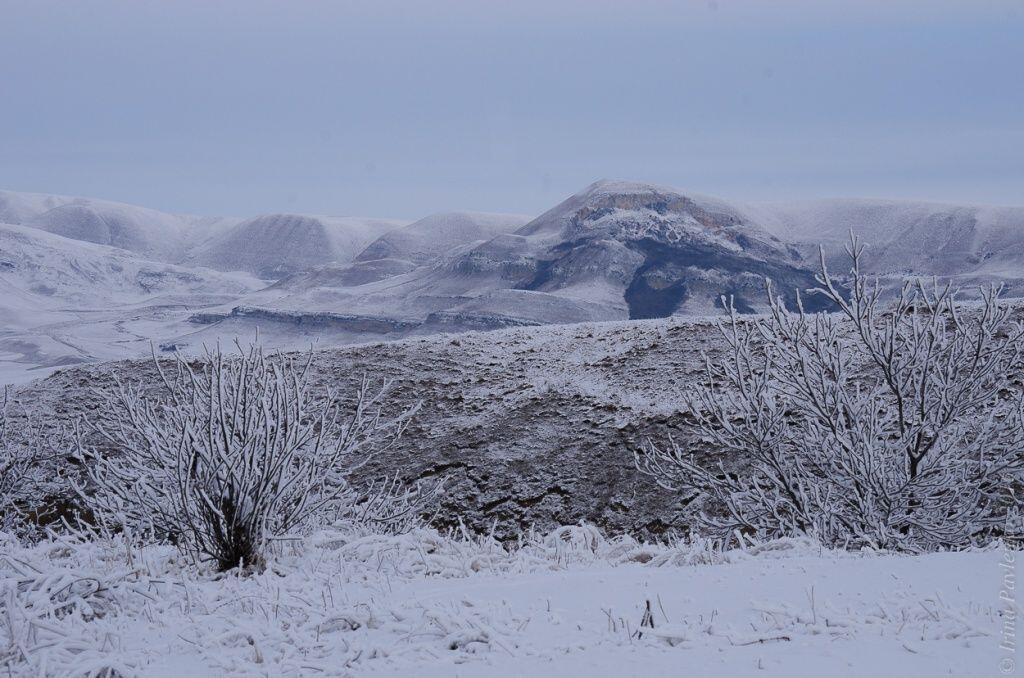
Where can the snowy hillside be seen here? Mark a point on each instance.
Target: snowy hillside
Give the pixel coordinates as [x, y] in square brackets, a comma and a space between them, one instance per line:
[431, 237]
[494, 403]
[273, 246]
[65, 301]
[908, 237]
[97, 276]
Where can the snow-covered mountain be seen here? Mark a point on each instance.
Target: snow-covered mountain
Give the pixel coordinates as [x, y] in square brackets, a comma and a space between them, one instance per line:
[614, 251]
[664, 252]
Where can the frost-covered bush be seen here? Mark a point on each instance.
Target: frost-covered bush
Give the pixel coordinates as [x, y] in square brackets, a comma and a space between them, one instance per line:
[236, 453]
[22, 452]
[890, 423]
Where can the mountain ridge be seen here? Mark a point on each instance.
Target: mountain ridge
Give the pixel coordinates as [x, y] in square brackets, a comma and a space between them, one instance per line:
[614, 250]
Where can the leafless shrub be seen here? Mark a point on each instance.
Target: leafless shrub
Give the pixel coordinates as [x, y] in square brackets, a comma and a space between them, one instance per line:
[236, 454]
[891, 423]
[24, 447]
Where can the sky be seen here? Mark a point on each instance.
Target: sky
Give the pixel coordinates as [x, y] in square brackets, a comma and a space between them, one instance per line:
[401, 109]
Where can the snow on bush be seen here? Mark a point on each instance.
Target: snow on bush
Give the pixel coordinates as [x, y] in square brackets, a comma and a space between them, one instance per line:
[894, 424]
[22, 453]
[236, 454]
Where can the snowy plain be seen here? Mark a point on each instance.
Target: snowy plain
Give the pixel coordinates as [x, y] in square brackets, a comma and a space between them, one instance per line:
[569, 603]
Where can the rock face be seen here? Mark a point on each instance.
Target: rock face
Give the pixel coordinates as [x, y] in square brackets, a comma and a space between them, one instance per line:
[531, 426]
[352, 274]
[351, 323]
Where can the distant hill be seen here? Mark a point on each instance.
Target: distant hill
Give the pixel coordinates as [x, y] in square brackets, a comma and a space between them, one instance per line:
[974, 242]
[270, 246]
[156, 235]
[273, 246]
[431, 237]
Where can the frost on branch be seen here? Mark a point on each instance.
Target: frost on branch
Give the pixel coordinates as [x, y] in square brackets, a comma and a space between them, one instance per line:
[894, 423]
[23, 448]
[237, 453]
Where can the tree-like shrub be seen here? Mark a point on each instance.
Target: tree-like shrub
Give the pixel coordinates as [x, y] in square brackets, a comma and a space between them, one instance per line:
[895, 422]
[235, 452]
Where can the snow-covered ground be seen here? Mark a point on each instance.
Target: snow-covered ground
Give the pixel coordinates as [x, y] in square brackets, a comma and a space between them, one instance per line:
[570, 603]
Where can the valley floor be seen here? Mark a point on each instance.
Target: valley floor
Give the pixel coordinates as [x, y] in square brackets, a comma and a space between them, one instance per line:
[571, 603]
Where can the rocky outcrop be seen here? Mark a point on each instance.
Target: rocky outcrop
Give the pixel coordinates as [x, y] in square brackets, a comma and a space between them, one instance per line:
[312, 320]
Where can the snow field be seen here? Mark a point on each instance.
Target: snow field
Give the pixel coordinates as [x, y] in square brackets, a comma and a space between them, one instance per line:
[570, 603]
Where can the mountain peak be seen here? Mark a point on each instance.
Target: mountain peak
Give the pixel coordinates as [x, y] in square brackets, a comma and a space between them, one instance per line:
[631, 211]
[623, 187]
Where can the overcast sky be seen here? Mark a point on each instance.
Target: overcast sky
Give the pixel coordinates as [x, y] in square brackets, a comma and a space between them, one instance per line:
[399, 109]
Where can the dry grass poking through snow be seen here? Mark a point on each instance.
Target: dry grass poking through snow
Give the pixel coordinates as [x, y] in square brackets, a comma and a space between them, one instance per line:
[572, 601]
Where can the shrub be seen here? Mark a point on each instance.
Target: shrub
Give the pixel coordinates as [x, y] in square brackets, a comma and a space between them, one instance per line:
[235, 454]
[894, 422]
[23, 449]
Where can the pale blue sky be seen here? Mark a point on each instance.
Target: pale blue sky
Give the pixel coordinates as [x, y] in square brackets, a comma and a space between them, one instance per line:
[400, 109]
